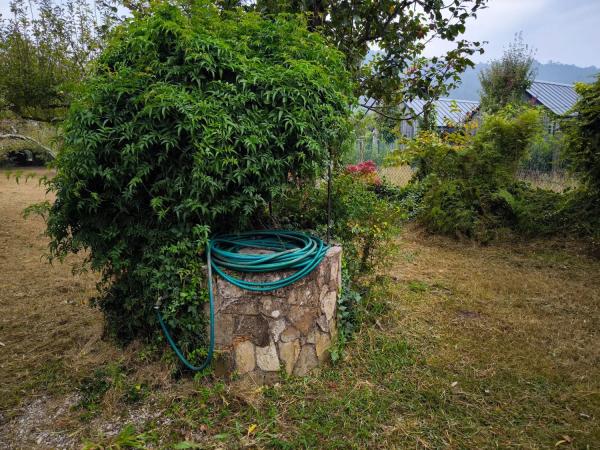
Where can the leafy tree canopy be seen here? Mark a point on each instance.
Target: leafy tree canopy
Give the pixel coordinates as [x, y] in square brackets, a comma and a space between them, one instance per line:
[44, 50]
[400, 30]
[191, 122]
[506, 80]
[383, 43]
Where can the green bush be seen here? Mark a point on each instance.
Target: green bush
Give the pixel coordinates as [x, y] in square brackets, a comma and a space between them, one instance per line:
[582, 131]
[464, 178]
[191, 123]
[541, 212]
[540, 156]
[364, 221]
[366, 218]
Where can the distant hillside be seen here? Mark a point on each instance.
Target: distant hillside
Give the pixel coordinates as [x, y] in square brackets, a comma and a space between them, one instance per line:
[551, 71]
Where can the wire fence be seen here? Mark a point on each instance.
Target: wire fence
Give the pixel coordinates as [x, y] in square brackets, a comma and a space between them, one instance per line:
[397, 175]
[371, 147]
[544, 168]
[557, 181]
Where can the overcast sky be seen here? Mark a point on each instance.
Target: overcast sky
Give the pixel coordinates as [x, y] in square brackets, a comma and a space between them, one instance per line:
[567, 31]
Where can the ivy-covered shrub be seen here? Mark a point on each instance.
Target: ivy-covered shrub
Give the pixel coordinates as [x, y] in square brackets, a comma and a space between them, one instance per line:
[463, 180]
[191, 123]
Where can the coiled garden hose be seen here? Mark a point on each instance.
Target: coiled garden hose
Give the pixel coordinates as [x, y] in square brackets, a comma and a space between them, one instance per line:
[277, 250]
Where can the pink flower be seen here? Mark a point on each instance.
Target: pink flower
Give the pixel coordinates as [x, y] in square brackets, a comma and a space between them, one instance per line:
[365, 167]
[366, 171]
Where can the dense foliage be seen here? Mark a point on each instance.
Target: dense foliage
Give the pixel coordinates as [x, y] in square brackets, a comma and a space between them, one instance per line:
[465, 181]
[582, 131]
[192, 122]
[504, 82]
[363, 221]
[580, 211]
[45, 45]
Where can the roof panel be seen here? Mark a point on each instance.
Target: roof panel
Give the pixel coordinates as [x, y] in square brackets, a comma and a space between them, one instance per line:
[447, 109]
[557, 97]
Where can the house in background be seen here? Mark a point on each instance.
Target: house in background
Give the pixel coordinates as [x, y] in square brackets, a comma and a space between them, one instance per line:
[557, 99]
[447, 111]
[375, 146]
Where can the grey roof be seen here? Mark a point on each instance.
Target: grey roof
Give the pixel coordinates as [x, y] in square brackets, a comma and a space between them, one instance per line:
[557, 97]
[447, 109]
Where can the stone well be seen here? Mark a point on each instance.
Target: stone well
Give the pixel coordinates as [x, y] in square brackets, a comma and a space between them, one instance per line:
[258, 334]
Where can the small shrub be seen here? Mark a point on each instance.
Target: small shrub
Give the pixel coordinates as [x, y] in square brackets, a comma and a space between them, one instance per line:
[462, 179]
[366, 171]
[348, 302]
[364, 222]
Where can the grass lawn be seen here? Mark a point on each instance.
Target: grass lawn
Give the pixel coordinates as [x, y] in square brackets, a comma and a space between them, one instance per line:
[459, 346]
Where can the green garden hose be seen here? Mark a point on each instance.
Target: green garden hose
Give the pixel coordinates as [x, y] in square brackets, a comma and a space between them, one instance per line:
[286, 250]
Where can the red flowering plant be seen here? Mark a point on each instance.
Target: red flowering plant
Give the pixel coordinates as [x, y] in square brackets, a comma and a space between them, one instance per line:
[365, 171]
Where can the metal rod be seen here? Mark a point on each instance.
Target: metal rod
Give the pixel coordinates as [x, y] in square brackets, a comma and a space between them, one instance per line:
[329, 221]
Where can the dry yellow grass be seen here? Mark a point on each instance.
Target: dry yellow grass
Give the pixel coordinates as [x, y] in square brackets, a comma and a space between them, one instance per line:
[397, 175]
[546, 292]
[46, 326]
[50, 337]
[516, 325]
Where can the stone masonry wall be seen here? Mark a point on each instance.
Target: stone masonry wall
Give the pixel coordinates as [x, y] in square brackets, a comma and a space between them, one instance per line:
[257, 334]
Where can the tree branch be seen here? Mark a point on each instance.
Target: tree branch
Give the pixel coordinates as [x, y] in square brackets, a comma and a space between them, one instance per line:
[378, 110]
[27, 138]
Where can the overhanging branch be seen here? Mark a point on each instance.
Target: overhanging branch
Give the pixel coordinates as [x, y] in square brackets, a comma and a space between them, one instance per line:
[27, 138]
